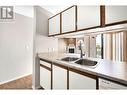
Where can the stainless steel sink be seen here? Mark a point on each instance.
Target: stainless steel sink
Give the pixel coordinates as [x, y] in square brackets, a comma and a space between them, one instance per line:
[86, 62]
[68, 59]
[83, 62]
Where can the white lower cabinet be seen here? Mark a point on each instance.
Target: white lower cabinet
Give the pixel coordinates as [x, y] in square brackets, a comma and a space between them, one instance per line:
[59, 78]
[78, 81]
[45, 78]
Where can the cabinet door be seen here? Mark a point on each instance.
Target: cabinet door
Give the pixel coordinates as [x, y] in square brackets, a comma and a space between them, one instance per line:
[77, 81]
[54, 25]
[59, 78]
[68, 20]
[45, 76]
[88, 16]
[115, 14]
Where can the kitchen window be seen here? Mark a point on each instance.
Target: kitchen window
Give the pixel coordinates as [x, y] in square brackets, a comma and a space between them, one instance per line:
[115, 46]
[99, 46]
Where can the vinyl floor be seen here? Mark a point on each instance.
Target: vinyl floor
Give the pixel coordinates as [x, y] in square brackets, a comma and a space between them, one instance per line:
[22, 83]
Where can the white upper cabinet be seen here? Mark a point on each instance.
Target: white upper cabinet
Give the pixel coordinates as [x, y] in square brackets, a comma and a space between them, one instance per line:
[88, 16]
[115, 14]
[68, 20]
[54, 25]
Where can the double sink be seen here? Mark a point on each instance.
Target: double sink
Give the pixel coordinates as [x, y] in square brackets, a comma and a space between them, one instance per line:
[80, 61]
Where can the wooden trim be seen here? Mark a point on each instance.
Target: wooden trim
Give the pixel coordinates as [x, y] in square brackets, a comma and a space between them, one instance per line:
[111, 45]
[54, 35]
[102, 47]
[102, 15]
[88, 28]
[116, 23]
[45, 60]
[68, 32]
[97, 83]
[62, 11]
[83, 73]
[89, 46]
[67, 78]
[59, 65]
[45, 67]
[48, 28]
[60, 23]
[1, 17]
[53, 16]
[77, 30]
[68, 8]
[76, 17]
[51, 76]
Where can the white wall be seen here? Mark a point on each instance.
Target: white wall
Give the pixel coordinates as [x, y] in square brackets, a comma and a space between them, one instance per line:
[42, 41]
[16, 45]
[45, 44]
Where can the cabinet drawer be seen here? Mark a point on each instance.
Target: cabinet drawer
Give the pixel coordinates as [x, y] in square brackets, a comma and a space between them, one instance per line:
[45, 64]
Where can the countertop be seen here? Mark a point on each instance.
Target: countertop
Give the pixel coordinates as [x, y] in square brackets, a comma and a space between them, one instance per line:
[112, 70]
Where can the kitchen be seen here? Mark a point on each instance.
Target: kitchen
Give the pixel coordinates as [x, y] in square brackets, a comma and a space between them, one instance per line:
[63, 47]
[81, 47]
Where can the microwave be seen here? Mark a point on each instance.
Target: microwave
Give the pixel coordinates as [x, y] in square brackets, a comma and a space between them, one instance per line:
[71, 50]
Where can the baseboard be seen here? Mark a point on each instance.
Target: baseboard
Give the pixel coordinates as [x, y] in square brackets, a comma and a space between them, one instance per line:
[3, 82]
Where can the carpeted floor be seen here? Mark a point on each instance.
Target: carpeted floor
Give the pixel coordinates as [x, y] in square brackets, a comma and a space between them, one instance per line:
[23, 83]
